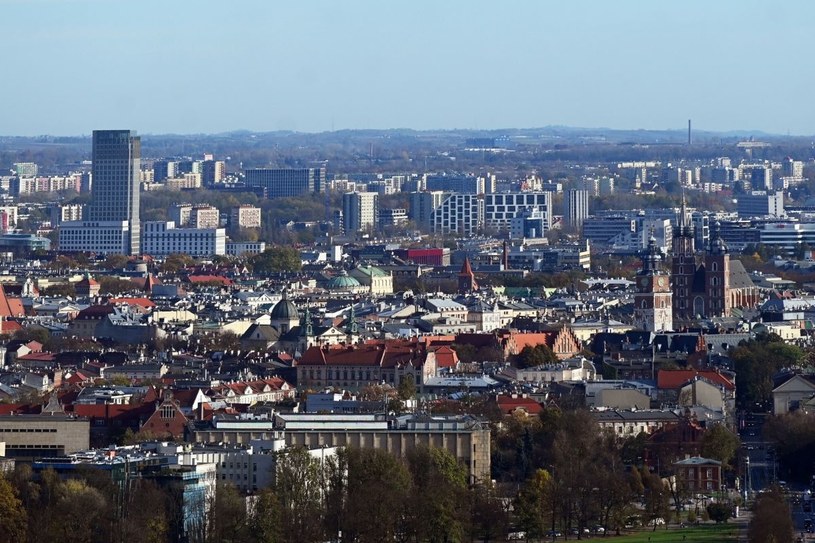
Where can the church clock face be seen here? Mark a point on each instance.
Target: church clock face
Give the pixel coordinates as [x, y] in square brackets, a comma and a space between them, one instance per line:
[661, 281]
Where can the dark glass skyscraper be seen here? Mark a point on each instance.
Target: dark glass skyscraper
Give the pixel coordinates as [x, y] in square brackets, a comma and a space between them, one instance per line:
[115, 190]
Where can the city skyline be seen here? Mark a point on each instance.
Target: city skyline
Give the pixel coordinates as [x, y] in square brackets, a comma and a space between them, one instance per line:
[319, 66]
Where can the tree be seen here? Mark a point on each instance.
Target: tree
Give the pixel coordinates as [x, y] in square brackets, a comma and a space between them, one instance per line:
[720, 444]
[276, 259]
[109, 284]
[534, 504]
[772, 521]
[299, 486]
[226, 518]
[657, 497]
[538, 355]
[377, 488]
[719, 511]
[13, 517]
[115, 262]
[489, 517]
[79, 512]
[144, 514]
[176, 262]
[264, 518]
[407, 387]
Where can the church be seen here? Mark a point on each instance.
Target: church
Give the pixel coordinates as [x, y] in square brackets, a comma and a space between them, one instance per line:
[701, 285]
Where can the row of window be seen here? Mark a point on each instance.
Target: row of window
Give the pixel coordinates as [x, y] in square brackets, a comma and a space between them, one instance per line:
[28, 431]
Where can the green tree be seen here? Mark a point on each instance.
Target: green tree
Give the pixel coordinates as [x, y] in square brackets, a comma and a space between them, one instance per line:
[719, 511]
[226, 517]
[377, 488]
[299, 484]
[407, 387]
[538, 355]
[264, 520]
[771, 521]
[720, 444]
[535, 506]
[657, 497]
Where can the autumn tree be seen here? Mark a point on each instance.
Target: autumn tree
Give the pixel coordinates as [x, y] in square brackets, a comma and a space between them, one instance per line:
[276, 259]
[720, 444]
[264, 518]
[299, 487]
[13, 518]
[226, 517]
[771, 519]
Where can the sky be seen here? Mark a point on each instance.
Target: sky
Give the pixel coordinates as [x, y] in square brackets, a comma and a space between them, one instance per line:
[201, 66]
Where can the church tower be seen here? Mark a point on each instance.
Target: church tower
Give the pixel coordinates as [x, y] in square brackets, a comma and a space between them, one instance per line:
[653, 310]
[466, 278]
[718, 302]
[683, 265]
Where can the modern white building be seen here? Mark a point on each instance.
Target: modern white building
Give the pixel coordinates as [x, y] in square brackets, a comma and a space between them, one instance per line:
[161, 238]
[501, 208]
[238, 248]
[760, 203]
[103, 237]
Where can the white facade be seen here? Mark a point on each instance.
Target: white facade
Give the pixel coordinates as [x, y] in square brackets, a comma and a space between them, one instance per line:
[205, 217]
[459, 214]
[238, 248]
[501, 208]
[161, 238]
[104, 237]
[576, 208]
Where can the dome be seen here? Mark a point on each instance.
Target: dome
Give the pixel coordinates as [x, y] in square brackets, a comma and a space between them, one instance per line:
[343, 281]
[285, 310]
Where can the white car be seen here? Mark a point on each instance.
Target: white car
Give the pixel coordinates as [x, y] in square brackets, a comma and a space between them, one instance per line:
[659, 521]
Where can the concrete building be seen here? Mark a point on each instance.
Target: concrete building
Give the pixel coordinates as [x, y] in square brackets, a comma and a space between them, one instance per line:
[65, 213]
[114, 208]
[455, 183]
[245, 216]
[575, 208]
[422, 207]
[32, 436]
[760, 203]
[461, 214]
[360, 211]
[238, 248]
[465, 437]
[529, 223]
[180, 214]
[163, 238]
[205, 217]
[282, 183]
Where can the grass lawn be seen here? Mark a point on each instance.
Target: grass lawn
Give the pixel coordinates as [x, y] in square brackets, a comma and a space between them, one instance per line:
[712, 533]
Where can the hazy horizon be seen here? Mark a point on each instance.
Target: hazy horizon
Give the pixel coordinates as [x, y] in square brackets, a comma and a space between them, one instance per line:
[320, 66]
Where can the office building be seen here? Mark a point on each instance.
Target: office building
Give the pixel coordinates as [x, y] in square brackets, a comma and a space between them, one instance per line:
[392, 216]
[25, 169]
[282, 183]
[603, 231]
[759, 203]
[111, 220]
[360, 211]
[455, 183]
[163, 238]
[240, 248]
[529, 223]
[501, 208]
[575, 208]
[461, 214]
[32, 436]
[245, 216]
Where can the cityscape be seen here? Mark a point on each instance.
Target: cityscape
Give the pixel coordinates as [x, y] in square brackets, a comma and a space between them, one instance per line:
[332, 295]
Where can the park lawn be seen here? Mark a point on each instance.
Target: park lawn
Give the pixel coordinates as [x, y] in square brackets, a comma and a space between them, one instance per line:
[712, 533]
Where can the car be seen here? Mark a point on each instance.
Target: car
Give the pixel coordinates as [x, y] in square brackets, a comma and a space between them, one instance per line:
[659, 521]
[599, 529]
[808, 525]
[516, 536]
[554, 533]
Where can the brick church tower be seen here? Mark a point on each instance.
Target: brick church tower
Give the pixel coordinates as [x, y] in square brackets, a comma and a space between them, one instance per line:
[683, 266]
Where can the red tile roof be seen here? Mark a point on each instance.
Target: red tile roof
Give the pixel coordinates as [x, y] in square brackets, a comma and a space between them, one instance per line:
[674, 379]
[508, 405]
[141, 302]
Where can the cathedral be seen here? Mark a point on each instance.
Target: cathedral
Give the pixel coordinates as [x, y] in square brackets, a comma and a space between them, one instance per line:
[701, 284]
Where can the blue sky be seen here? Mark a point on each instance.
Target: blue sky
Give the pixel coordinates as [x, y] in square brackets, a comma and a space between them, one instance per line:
[192, 66]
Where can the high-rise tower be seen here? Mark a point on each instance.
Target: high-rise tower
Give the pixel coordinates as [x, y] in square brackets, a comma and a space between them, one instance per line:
[115, 191]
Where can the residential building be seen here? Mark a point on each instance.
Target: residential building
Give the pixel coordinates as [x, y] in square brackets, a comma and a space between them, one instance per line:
[360, 211]
[699, 474]
[245, 216]
[65, 213]
[461, 214]
[392, 216]
[238, 248]
[180, 214]
[205, 217]
[455, 183]
[212, 172]
[423, 206]
[501, 208]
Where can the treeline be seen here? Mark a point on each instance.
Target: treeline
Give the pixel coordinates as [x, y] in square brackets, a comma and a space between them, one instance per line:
[358, 495]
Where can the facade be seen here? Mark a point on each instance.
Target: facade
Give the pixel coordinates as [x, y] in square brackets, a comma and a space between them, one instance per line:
[529, 223]
[760, 203]
[205, 217]
[238, 248]
[32, 436]
[422, 207]
[461, 214]
[501, 208]
[245, 216]
[65, 213]
[602, 230]
[163, 238]
[282, 183]
[103, 237]
[575, 208]
[360, 211]
[392, 216]
[212, 172]
[700, 474]
[454, 183]
[653, 310]
[116, 166]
